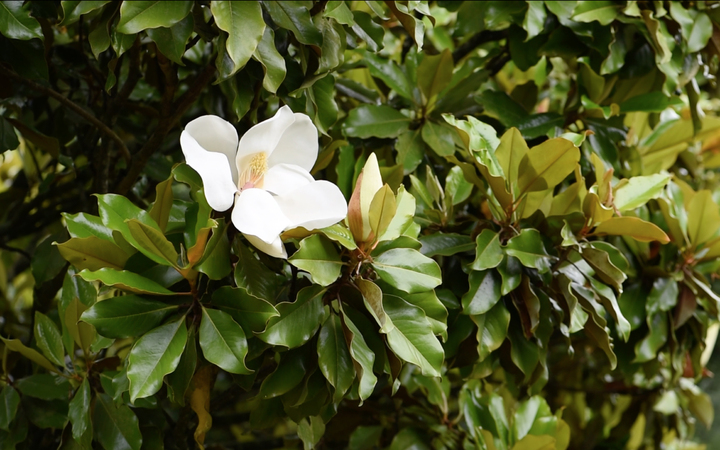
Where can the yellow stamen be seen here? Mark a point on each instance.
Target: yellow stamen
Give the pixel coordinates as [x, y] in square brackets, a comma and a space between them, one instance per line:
[253, 174]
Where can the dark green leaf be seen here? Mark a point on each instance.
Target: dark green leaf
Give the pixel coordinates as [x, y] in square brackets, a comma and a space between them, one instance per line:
[116, 426]
[272, 61]
[126, 316]
[294, 16]
[251, 312]
[379, 121]
[318, 256]
[489, 252]
[483, 294]
[16, 22]
[223, 341]
[9, 401]
[8, 138]
[244, 24]
[178, 382]
[298, 321]
[48, 339]
[141, 15]
[79, 410]
[411, 338]
[334, 356]
[153, 356]
[529, 249]
[407, 270]
[445, 244]
[171, 43]
[125, 280]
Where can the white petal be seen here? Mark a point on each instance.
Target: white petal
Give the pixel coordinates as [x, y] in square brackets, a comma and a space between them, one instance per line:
[298, 144]
[216, 135]
[264, 136]
[257, 213]
[284, 178]
[316, 205]
[276, 248]
[214, 169]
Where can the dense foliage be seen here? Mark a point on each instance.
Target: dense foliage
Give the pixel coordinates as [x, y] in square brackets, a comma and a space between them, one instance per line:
[529, 258]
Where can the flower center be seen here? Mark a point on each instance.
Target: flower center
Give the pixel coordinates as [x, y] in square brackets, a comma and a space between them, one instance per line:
[253, 174]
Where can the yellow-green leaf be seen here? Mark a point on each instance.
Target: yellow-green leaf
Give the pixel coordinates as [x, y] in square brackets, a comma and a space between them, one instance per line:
[546, 165]
[633, 227]
[92, 253]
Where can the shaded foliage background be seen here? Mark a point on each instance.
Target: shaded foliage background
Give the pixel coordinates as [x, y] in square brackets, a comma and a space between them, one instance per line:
[542, 267]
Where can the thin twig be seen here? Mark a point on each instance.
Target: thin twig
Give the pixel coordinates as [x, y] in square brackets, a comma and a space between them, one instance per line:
[179, 108]
[74, 107]
[15, 250]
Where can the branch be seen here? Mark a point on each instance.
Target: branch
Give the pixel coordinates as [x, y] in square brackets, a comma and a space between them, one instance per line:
[477, 40]
[74, 107]
[166, 123]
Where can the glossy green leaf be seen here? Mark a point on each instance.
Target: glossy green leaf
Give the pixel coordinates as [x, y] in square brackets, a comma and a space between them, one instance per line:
[529, 249]
[638, 190]
[82, 333]
[223, 341]
[368, 30]
[334, 357]
[340, 234]
[700, 33]
[125, 280]
[445, 244]
[649, 102]
[9, 402]
[126, 316]
[153, 356]
[488, 253]
[404, 213]
[510, 271]
[79, 410]
[152, 243]
[633, 227]
[703, 218]
[389, 72]
[483, 293]
[48, 339]
[604, 268]
[373, 300]
[138, 16]
[271, 60]
[375, 121]
[289, 373]
[254, 276]
[647, 348]
[510, 152]
[439, 137]
[251, 312]
[16, 22]
[411, 338]
[294, 16]
[83, 225]
[435, 73]
[362, 357]
[17, 346]
[298, 321]
[92, 253]
[663, 296]
[318, 256]
[245, 26]
[457, 188]
[215, 260]
[407, 270]
[601, 11]
[171, 42]
[44, 386]
[546, 165]
[116, 426]
[523, 352]
[72, 10]
[178, 382]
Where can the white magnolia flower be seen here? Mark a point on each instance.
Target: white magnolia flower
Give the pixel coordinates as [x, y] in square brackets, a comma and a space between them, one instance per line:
[266, 176]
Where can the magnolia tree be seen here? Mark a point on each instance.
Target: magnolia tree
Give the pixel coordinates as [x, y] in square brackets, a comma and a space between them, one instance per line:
[402, 224]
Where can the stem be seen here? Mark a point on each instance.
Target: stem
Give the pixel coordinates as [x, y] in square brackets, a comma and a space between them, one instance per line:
[74, 107]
